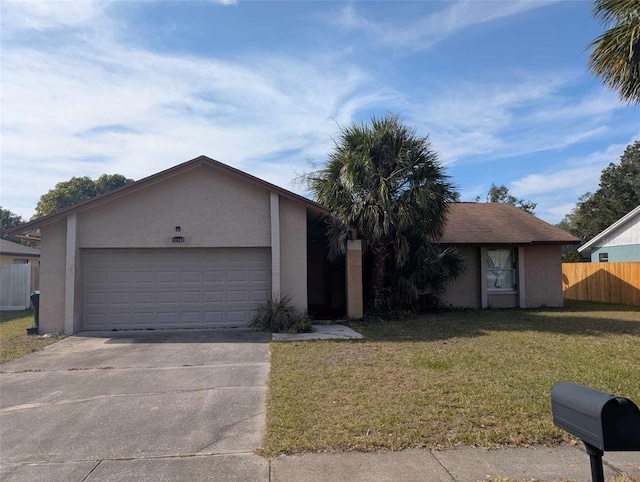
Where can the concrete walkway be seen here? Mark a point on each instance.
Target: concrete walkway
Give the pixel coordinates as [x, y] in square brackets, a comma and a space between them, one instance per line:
[321, 332]
[459, 465]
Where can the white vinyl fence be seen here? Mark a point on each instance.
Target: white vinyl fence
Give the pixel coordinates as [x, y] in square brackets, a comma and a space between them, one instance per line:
[15, 286]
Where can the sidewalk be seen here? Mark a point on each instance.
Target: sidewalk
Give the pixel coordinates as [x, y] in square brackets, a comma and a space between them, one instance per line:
[459, 465]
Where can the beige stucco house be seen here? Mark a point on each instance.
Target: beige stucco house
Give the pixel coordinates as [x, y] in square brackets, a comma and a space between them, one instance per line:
[199, 245]
[512, 258]
[203, 245]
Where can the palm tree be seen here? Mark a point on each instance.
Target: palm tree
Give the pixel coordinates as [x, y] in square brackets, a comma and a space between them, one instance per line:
[385, 185]
[616, 53]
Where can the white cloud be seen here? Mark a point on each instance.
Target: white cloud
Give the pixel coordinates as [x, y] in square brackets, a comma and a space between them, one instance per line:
[488, 121]
[424, 32]
[551, 188]
[92, 107]
[579, 176]
[42, 15]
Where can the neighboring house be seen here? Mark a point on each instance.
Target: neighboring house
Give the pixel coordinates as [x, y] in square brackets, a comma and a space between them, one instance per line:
[199, 245]
[513, 259]
[619, 242]
[15, 253]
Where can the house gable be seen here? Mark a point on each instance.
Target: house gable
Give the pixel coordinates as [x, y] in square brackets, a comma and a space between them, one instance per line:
[209, 207]
[619, 242]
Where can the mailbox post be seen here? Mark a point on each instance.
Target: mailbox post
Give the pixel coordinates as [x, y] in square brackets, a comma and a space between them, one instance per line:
[604, 422]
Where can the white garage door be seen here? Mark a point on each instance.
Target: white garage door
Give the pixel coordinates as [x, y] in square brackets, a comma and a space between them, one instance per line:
[173, 288]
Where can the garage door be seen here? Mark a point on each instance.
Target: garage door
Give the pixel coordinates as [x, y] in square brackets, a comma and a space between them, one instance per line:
[173, 288]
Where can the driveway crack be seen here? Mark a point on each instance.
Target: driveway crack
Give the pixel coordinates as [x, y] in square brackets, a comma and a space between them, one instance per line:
[91, 471]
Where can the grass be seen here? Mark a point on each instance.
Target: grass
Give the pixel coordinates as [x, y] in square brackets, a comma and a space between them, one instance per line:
[14, 341]
[475, 378]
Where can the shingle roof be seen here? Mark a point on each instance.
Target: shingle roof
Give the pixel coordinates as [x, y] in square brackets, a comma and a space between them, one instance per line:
[499, 223]
[9, 247]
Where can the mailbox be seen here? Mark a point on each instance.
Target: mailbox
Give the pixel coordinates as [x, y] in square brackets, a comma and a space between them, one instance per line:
[599, 419]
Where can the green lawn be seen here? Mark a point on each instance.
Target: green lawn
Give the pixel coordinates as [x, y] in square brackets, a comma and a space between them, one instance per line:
[14, 341]
[478, 378]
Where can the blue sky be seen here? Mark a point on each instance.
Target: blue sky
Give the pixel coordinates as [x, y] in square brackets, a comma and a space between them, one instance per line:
[501, 88]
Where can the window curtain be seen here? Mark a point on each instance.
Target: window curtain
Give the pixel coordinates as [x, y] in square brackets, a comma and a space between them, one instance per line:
[499, 263]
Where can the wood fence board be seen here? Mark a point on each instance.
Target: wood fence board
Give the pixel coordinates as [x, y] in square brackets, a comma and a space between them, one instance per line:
[603, 282]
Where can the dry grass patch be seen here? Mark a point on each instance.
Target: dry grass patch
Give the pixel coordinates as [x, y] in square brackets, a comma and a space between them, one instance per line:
[478, 378]
[14, 341]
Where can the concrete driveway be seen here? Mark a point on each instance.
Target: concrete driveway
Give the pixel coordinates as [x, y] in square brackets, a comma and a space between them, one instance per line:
[152, 405]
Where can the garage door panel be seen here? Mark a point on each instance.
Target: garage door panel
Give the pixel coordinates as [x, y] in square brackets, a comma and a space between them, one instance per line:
[191, 277]
[190, 297]
[214, 277]
[167, 277]
[237, 316]
[120, 277]
[214, 296]
[260, 296]
[143, 298]
[173, 288]
[167, 297]
[144, 277]
[213, 316]
[237, 296]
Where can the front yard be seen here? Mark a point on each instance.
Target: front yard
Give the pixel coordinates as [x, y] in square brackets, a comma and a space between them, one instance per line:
[480, 378]
[14, 341]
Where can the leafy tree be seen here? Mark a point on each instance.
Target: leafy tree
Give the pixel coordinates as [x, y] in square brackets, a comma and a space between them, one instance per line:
[386, 185]
[615, 56]
[618, 194]
[501, 194]
[8, 220]
[75, 190]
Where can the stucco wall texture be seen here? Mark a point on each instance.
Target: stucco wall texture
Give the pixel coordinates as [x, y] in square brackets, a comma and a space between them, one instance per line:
[52, 277]
[212, 209]
[543, 276]
[293, 252]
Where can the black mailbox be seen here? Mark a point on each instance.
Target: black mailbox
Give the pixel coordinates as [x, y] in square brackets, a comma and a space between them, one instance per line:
[599, 419]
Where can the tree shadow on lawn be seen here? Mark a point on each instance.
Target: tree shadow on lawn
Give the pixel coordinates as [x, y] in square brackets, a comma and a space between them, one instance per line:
[598, 320]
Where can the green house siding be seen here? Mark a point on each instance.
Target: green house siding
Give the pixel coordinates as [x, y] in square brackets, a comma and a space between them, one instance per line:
[617, 253]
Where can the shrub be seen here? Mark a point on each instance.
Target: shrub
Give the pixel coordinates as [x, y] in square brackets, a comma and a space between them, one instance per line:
[572, 257]
[279, 316]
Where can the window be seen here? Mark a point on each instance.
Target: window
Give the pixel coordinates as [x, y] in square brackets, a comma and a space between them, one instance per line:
[501, 271]
[20, 261]
[603, 257]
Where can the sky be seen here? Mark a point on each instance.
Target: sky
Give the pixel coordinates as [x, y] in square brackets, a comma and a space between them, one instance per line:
[501, 89]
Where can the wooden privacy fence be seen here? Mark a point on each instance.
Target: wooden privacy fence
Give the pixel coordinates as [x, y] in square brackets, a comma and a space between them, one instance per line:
[604, 282]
